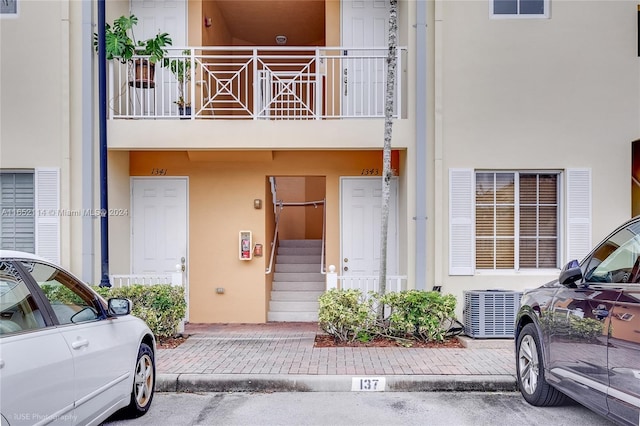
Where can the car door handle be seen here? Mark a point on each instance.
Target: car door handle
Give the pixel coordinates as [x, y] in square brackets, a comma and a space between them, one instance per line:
[1, 363]
[80, 343]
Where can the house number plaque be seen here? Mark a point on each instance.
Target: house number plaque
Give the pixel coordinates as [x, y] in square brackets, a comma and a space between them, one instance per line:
[368, 384]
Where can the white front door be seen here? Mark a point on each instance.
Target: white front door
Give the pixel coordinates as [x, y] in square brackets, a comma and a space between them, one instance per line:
[162, 16]
[365, 23]
[361, 225]
[159, 226]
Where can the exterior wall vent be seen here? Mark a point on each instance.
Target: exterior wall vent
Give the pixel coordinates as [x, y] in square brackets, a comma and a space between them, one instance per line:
[490, 313]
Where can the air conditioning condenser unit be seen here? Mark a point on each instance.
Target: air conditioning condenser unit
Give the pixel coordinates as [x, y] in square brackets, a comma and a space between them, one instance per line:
[490, 313]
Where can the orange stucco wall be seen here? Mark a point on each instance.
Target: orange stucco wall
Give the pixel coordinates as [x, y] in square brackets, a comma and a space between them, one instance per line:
[222, 187]
[217, 34]
[301, 222]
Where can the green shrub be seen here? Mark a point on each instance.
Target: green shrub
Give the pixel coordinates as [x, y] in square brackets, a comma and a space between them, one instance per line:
[422, 315]
[161, 306]
[346, 315]
[412, 315]
[58, 293]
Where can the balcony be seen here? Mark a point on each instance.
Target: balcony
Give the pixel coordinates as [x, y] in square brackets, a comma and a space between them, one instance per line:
[261, 83]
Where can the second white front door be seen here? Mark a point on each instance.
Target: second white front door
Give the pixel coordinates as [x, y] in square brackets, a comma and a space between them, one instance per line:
[162, 16]
[361, 226]
[365, 24]
[159, 225]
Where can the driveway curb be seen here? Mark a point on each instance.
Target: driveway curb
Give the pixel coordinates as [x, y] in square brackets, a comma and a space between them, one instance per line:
[332, 383]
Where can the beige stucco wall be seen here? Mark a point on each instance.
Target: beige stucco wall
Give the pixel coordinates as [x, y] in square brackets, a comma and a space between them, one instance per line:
[256, 134]
[119, 200]
[537, 94]
[36, 84]
[35, 88]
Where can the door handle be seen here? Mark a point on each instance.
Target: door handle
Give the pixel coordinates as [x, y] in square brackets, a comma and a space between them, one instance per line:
[345, 72]
[183, 263]
[80, 343]
[1, 363]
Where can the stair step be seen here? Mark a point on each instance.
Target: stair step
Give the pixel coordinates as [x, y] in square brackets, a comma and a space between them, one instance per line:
[297, 282]
[297, 267]
[290, 258]
[300, 243]
[300, 296]
[292, 306]
[298, 286]
[300, 251]
[292, 316]
[298, 276]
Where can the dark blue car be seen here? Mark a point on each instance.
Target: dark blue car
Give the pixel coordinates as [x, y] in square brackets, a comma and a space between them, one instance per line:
[579, 336]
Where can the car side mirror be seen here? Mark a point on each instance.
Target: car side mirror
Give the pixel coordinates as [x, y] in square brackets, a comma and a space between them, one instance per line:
[570, 273]
[119, 306]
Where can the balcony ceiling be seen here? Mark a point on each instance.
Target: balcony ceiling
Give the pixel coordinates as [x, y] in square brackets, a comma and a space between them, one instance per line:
[259, 21]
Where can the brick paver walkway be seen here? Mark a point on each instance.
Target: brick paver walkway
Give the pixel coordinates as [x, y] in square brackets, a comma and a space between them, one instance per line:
[287, 348]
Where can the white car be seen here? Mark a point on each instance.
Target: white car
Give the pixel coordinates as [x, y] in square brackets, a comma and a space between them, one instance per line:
[66, 355]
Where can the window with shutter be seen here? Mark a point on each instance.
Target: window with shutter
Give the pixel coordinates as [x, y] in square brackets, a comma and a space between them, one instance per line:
[30, 219]
[511, 220]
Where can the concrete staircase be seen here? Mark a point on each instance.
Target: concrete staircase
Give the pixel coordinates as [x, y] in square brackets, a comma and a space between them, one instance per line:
[297, 282]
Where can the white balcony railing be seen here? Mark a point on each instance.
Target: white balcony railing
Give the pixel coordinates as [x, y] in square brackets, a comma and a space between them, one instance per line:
[273, 83]
[141, 279]
[395, 283]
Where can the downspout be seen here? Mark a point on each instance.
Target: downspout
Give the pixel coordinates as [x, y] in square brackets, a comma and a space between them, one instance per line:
[421, 145]
[87, 143]
[102, 119]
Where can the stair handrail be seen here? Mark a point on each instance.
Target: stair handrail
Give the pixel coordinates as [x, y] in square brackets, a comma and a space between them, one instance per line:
[304, 203]
[275, 236]
[282, 204]
[323, 269]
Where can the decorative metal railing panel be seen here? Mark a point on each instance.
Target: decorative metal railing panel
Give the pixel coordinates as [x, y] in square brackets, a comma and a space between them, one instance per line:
[293, 83]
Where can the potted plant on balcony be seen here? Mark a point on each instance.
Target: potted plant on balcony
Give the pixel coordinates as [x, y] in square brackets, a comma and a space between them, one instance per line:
[120, 44]
[181, 69]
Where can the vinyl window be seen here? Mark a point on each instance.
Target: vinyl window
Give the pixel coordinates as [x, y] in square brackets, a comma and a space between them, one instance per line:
[17, 223]
[516, 220]
[519, 8]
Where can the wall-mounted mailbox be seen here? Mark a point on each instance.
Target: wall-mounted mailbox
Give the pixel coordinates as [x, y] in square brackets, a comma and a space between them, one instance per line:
[246, 245]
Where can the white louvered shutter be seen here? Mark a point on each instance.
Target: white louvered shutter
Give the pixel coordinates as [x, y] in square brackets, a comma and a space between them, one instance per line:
[578, 213]
[461, 227]
[47, 202]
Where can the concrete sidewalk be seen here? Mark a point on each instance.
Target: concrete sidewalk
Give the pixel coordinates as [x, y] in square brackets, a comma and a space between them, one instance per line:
[282, 357]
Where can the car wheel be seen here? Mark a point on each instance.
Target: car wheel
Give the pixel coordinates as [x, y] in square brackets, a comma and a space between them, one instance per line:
[144, 381]
[530, 369]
